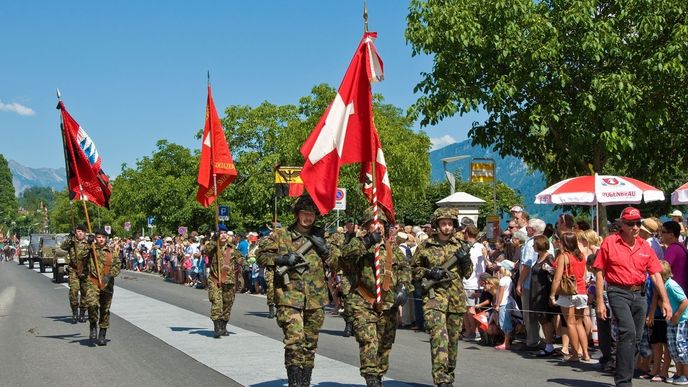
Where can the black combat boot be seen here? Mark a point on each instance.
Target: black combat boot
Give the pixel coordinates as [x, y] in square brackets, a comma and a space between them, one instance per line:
[217, 329]
[306, 373]
[293, 375]
[224, 328]
[445, 385]
[271, 311]
[93, 331]
[348, 329]
[371, 380]
[101, 337]
[82, 315]
[75, 317]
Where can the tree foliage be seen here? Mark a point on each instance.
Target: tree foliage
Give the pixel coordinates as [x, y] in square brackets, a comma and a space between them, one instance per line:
[8, 202]
[570, 86]
[33, 197]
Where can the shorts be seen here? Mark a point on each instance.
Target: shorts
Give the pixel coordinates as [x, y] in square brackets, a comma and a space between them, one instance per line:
[472, 297]
[658, 332]
[505, 323]
[578, 301]
[677, 338]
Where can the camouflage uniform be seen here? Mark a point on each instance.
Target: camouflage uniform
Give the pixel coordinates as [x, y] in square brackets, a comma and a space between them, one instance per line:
[444, 305]
[78, 253]
[374, 328]
[270, 286]
[221, 288]
[99, 290]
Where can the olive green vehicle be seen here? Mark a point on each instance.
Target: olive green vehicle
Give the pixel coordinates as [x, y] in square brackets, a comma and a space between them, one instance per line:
[51, 255]
[23, 249]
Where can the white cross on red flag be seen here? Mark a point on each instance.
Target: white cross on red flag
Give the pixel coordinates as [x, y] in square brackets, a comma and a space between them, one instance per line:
[345, 133]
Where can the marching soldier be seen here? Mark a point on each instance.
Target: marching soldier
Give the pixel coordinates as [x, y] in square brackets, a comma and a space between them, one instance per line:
[270, 290]
[223, 258]
[78, 252]
[103, 267]
[375, 324]
[444, 302]
[298, 254]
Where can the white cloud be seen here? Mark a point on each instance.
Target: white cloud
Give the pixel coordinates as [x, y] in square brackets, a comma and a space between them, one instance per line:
[16, 108]
[441, 142]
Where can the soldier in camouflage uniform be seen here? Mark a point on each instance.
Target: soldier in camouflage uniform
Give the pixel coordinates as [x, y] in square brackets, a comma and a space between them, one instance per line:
[444, 304]
[221, 288]
[78, 249]
[100, 286]
[375, 324]
[301, 293]
[270, 290]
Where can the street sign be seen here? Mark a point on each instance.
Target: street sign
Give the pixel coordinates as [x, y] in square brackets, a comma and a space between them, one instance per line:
[340, 199]
[150, 220]
[181, 230]
[223, 212]
[127, 226]
[108, 229]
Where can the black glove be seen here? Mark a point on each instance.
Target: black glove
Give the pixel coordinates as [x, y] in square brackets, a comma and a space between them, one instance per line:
[436, 273]
[106, 279]
[287, 260]
[463, 257]
[401, 296]
[90, 239]
[370, 239]
[319, 245]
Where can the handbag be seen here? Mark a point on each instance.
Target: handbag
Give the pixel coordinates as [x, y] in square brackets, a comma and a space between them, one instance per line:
[567, 286]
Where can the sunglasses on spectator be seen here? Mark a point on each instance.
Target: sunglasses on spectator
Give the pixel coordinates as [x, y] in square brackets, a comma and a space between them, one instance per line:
[631, 223]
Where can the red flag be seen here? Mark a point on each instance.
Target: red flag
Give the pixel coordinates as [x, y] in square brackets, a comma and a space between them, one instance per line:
[85, 177]
[345, 132]
[382, 185]
[215, 157]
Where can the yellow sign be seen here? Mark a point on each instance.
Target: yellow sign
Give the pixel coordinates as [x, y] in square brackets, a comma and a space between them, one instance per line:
[482, 172]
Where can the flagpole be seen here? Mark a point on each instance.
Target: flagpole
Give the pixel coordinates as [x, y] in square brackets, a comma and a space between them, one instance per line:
[217, 206]
[60, 105]
[64, 150]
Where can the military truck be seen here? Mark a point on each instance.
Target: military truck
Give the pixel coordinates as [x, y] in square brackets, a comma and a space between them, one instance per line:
[50, 255]
[23, 249]
[59, 265]
[34, 248]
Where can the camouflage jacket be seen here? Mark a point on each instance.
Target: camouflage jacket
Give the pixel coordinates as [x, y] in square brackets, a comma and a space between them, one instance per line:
[446, 296]
[78, 253]
[358, 266]
[108, 264]
[306, 289]
[231, 258]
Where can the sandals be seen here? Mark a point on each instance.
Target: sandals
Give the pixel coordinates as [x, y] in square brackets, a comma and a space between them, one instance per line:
[570, 358]
[658, 378]
[502, 347]
[647, 376]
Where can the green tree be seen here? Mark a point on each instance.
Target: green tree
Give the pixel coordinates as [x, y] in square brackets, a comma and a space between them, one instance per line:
[570, 86]
[32, 198]
[8, 201]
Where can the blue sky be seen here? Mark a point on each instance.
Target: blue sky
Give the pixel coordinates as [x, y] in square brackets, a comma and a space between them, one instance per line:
[134, 72]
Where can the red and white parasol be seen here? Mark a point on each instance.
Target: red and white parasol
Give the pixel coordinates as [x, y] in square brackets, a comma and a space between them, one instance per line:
[600, 189]
[680, 196]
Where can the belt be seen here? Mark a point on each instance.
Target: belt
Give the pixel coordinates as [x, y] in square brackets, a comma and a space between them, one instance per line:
[630, 288]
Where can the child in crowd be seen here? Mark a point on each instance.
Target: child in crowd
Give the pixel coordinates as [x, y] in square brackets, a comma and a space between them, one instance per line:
[491, 286]
[657, 326]
[677, 326]
[504, 303]
[484, 305]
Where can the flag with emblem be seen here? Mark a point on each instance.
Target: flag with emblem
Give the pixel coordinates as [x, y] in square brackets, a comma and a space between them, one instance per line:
[85, 177]
[288, 181]
[345, 133]
[216, 163]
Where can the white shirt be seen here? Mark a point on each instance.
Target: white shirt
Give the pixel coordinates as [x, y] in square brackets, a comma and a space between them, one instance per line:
[478, 260]
[505, 283]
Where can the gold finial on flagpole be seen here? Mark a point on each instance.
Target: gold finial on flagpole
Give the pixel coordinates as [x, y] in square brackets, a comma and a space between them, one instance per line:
[365, 17]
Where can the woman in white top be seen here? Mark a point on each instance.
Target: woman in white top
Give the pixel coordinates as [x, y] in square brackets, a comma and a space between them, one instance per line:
[504, 302]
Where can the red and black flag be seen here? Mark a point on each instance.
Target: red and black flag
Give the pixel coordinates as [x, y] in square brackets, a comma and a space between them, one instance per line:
[85, 177]
[288, 182]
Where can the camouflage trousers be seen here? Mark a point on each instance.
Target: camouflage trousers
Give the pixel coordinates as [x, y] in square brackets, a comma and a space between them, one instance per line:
[221, 300]
[270, 288]
[444, 331]
[98, 302]
[77, 284]
[375, 333]
[348, 314]
[301, 329]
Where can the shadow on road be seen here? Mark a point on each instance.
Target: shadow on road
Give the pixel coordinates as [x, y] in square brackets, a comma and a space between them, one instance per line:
[575, 382]
[64, 319]
[196, 331]
[71, 339]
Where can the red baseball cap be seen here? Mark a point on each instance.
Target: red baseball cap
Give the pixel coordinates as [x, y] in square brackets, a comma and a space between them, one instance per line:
[630, 213]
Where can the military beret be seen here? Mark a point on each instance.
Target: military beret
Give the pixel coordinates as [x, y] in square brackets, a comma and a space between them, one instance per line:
[102, 232]
[81, 227]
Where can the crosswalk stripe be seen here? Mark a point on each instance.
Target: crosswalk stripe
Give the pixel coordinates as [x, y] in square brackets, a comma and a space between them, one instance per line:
[244, 356]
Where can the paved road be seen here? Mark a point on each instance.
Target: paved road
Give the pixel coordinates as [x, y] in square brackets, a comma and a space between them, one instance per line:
[160, 335]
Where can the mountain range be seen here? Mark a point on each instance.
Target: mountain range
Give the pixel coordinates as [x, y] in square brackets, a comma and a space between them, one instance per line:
[511, 171]
[24, 177]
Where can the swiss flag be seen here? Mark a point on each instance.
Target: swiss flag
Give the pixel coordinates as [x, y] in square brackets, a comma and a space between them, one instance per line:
[345, 133]
[85, 177]
[215, 157]
[382, 186]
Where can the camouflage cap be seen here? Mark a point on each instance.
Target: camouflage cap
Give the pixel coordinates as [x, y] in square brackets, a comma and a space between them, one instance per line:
[102, 232]
[304, 203]
[81, 227]
[368, 215]
[445, 213]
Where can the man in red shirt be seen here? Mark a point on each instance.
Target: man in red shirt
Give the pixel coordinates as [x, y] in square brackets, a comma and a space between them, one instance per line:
[623, 262]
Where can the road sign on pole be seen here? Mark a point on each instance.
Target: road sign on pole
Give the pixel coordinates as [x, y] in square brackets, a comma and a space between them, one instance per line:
[340, 199]
[127, 226]
[223, 213]
[181, 230]
[150, 220]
